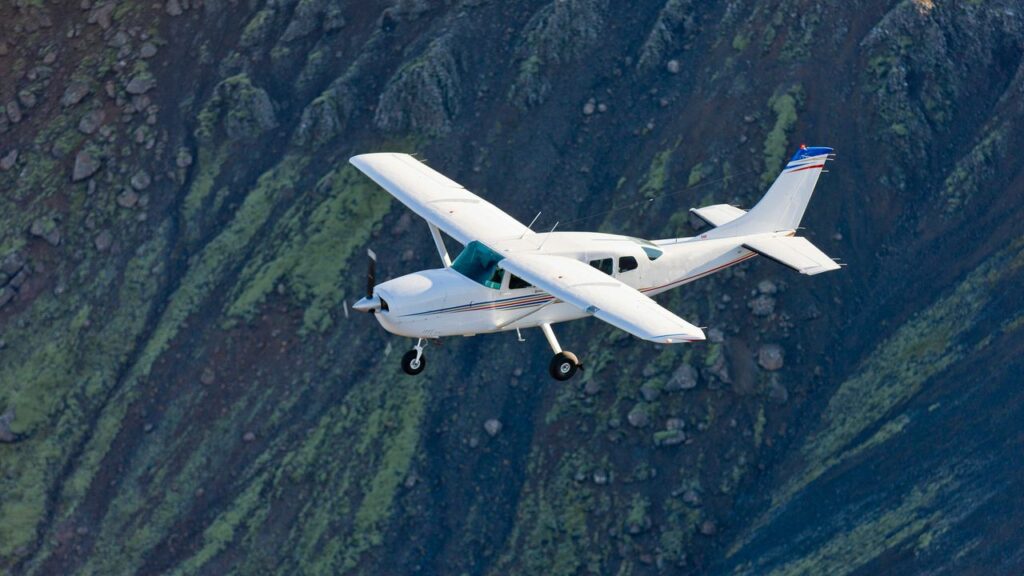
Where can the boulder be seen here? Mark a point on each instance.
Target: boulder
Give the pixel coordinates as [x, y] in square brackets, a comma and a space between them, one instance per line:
[207, 377]
[27, 98]
[141, 180]
[173, 8]
[684, 378]
[140, 83]
[762, 305]
[103, 240]
[650, 391]
[74, 93]
[91, 121]
[9, 160]
[691, 498]
[493, 427]
[767, 287]
[13, 111]
[673, 66]
[6, 295]
[639, 416]
[148, 50]
[708, 528]
[769, 357]
[6, 419]
[45, 228]
[669, 437]
[184, 158]
[12, 263]
[102, 15]
[86, 164]
[127, 198]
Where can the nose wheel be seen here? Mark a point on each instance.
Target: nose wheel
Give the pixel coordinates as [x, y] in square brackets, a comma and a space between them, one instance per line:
[413, 361]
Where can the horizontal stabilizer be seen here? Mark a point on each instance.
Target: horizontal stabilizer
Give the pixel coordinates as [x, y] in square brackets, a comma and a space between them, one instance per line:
[718, 214]
[792, 251]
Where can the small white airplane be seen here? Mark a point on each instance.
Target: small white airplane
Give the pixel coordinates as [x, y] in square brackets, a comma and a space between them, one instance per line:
[509, 277]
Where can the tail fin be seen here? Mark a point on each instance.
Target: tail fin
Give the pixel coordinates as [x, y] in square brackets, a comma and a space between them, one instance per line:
[782, 207]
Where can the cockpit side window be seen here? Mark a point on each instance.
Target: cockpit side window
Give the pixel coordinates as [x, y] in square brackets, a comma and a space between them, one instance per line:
[480, 264]
[604, 265]
[627, 263]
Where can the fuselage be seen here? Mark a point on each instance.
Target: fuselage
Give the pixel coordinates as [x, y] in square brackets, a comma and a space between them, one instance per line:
[475, 296]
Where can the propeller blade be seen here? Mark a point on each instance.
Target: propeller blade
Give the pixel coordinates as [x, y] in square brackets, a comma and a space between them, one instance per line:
[371, 273]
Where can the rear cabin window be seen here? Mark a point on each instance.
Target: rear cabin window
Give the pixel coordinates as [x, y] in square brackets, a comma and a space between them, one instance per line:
[604, 265]
[515, 283]
[627, 263]
[480, 264]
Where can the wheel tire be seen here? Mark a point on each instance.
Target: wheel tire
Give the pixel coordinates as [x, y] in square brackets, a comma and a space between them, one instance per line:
[563, 366]
[412, 366]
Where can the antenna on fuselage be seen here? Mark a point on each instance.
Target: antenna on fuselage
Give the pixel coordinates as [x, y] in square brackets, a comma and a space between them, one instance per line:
[530, 225]
[548, 236]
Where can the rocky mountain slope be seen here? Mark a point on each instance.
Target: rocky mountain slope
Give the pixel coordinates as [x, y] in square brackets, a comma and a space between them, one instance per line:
[182, 392]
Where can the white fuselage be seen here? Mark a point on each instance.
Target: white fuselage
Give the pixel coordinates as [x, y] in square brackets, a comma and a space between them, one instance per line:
[444, 302]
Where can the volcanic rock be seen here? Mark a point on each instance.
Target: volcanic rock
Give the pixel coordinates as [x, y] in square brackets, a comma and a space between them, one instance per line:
[85, 166]
[493, 427]
[9, 160]
[684, 378]
[74, 93]
[769, 356]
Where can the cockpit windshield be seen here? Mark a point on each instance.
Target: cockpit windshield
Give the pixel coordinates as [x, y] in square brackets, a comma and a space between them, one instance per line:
[480, 264]
[650, 248]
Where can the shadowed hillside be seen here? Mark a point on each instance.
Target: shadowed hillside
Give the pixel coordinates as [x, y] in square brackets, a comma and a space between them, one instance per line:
[182, 390]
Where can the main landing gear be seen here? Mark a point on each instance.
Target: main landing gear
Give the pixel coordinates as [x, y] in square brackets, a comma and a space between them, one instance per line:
[564, 364]
[413, 361]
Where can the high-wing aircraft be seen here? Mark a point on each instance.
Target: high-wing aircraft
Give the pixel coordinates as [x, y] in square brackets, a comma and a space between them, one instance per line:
[509, 277]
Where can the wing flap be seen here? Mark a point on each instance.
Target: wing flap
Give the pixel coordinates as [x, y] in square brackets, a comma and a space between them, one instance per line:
[718, 214]
[795, 252]
[438, 199]
[596, 293]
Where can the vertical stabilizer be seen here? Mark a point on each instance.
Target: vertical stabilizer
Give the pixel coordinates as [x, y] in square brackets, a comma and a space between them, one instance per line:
[783, 206]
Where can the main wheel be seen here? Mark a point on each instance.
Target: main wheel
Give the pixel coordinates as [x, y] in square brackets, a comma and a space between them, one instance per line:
[412, 365]
[563, 366]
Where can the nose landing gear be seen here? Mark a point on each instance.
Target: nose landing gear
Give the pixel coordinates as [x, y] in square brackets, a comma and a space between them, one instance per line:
[413, 361]
[564, 364]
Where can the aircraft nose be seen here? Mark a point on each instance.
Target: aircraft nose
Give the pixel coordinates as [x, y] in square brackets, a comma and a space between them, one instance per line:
[369, 304]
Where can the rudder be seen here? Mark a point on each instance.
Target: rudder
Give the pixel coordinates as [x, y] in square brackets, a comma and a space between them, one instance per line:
[783, 206]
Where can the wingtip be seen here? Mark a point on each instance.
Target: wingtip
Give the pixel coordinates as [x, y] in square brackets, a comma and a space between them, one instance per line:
[695, 335]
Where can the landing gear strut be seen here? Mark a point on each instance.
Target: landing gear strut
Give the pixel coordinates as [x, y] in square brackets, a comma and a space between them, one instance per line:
[413, 361]
[564, 364]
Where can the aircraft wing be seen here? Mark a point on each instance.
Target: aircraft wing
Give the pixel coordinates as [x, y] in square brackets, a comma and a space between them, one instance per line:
[599, 294]
[438, 199]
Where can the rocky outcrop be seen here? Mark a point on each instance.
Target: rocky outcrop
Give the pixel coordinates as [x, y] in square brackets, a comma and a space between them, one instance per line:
[424, 96]
[674, 24]
[243, 110]
[560, 32]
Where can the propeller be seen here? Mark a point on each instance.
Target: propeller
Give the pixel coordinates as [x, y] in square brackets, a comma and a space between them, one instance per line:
[371, 272]
[369, 303]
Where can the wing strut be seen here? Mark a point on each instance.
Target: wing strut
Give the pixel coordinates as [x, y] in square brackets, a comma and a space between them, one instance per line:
[439, 242]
